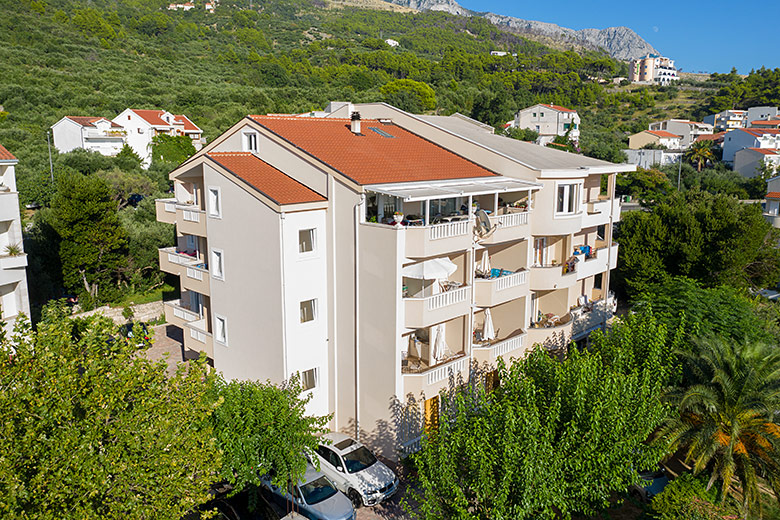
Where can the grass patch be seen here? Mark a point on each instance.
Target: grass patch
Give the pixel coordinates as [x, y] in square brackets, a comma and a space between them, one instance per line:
[139, 298]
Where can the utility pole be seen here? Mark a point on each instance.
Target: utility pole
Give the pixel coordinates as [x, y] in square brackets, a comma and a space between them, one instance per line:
[679, 172]
[51, 166]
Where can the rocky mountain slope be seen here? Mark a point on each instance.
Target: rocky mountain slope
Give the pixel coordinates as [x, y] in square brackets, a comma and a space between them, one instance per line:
[620, 42]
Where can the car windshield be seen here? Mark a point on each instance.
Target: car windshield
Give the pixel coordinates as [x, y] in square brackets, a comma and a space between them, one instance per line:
[318, 490]
[358, 460]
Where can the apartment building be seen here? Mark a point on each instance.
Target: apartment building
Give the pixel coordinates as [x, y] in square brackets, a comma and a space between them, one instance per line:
[761, 114]
[727, 120]
[14, 299]
[749, 161]
[96, 134]
[772, 206]
[653, 69]
[141, 126]
[549, 121]
[384, 256]
[742, 138]
[688, 131]
[656, 137]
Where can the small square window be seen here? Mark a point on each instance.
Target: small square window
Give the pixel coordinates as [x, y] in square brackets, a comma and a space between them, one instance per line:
[217, 264]
[305, 240]
[534, 114]
[215, 202]
[250, 142]
[220, 329]
[308, 310]
[309, 379]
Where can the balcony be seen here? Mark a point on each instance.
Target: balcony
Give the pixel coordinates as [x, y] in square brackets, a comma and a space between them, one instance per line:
[196, 278]
[546, 278]
[599, 261]
[189, 218]
[166, 210]
[193, 274]
[437, 308]
[598, 211]
[508, 227]
[173, 261]
[13, 261]
[551, 331]
[197, 338]
[431, 380]
[438, 239]
[176, 314]
[507, 348]
[495, 291]
[587, 318]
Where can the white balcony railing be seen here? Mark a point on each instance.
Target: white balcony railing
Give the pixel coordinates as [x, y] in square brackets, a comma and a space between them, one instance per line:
[508, 345]
[170, 207]
[184, 314]
[512, 280]
[442, 372]
[511, 219]
[195, 273]
[450, 229]
[190, 215]
[441, 300]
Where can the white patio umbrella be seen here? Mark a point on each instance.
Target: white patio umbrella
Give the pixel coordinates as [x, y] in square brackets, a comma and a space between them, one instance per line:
[435, 269]
[484, 263]
[440, 347]
[488, 331]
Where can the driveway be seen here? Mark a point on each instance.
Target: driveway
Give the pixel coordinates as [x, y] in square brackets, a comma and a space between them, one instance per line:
[168, 343]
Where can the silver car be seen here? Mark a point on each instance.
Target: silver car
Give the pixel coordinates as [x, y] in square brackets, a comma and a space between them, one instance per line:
[355, 470]
[314, 496]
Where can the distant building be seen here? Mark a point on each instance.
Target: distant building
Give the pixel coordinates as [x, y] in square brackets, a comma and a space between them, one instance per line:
[653, 70]
[687, 130]
[770, 123]
[502, 53]
[772, 208]
[727, 120]
[749, 138]
[716, 139]
[658, 137]
[142, 126]
[761, 114]
[14, 299]
[549, 121]
[748, 161]
[650, 158]
[392, 43]
[181, 7]
[96, 134]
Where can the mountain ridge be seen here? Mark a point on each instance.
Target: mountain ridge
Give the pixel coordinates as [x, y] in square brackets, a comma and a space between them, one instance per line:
[620, 42]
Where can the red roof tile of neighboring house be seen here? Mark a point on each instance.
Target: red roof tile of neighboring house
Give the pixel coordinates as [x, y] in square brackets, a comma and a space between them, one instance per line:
[89, 121]
[762, 122]
[558, 108]
[154, 118]
[371, 157]
[663, 133]
[765, 151]
[711, 137]
[773, 195]
[189, 126]
[274, 184]
[758, 132]
[5, 155]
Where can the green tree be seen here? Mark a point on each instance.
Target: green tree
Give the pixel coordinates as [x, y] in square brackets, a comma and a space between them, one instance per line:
[426, 97]
[263, 428]
[726, 416]
[169, 148]
[522, 134]
[93, 244]
[556, 437]
[145, 235]
[122, 184]
[127, 159]
[700, 153]
[89, 429]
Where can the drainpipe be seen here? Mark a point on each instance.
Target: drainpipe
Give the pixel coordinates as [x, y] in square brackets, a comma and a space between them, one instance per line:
[605, 281]
[284, 290]
[357, 210]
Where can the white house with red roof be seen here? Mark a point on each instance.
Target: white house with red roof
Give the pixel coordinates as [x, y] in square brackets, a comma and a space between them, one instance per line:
[96, 134]
[663, 138]
[749, 161]
[549, 121]
[749, 138]
[687, 130]
[141, 126]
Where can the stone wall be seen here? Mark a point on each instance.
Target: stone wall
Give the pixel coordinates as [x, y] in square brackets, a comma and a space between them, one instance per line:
[144, 312]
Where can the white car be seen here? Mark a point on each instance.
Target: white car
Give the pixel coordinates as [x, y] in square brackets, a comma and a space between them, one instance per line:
[355, 470]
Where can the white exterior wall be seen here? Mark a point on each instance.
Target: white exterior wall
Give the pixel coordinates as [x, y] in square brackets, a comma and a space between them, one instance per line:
[548, 121]
[66, 135]
[139, 135]
[13, 275]
[69, 135]
[737, 140]
[648, 158]
[747, 161]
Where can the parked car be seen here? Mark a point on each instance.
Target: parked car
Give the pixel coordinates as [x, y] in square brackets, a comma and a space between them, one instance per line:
[314, 496]
[653, 482]
[355, 470]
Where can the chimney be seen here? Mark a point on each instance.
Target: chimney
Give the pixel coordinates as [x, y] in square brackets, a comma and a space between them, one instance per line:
[355, 125]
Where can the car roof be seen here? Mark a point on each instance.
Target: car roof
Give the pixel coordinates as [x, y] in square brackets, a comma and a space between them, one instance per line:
[310, 475]
[341, 443]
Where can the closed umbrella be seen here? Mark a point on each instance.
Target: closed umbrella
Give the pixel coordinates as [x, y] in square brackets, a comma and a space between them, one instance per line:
[435, 269]
[488, 331]
[484, 263]
[440, 344]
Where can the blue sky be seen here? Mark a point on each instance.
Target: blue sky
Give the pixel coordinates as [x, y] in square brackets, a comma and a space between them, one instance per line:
[710, 36]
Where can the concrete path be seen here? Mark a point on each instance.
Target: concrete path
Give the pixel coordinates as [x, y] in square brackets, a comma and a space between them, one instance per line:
[167, 340]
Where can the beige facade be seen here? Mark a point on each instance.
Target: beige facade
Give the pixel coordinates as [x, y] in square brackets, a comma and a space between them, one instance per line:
[393, 336]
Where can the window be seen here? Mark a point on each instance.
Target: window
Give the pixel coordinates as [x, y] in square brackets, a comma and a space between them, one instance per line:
[250, 142]
[566, 126]
[215, 202]
[220, 329]
[309, 379]
[568, 198]
[308, 310]
[305, 240]
[541, 114]
[534, 114]
[217, 264]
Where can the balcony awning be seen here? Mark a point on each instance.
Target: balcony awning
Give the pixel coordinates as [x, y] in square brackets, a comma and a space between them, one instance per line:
[417, 191]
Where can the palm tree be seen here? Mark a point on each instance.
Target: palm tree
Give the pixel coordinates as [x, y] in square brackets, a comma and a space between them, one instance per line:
[727, 416]
[700, 152]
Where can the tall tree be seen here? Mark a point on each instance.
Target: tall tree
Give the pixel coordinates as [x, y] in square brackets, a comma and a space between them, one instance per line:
[726, 416]
[93, 245]
[700, 153]
[90, 429]
[556, 437]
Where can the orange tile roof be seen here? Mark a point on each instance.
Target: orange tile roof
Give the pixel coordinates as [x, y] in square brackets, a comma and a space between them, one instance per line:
[765, 151]
[154, 118]
[271, 182]
[773, 195]
[711, 137]
[89, 121]
[558, 108]
[764, 122]
[5, 155]
[663, 133]
[189, 126]
[371, 158]
[758, 132]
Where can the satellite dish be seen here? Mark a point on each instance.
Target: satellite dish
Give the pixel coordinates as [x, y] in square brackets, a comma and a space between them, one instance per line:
[483, 222]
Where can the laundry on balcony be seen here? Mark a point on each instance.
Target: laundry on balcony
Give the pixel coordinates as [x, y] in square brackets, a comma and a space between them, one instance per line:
[583, 250]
